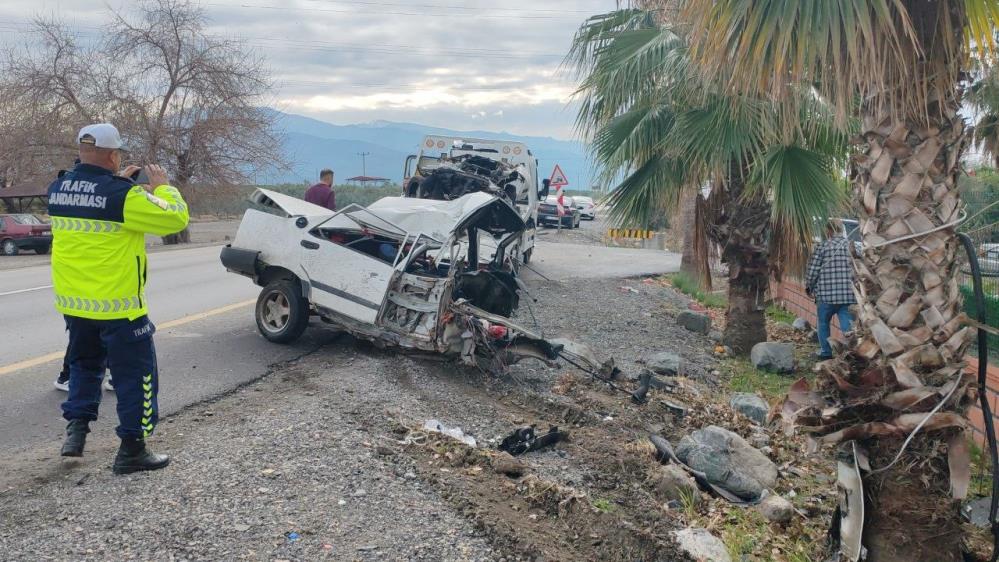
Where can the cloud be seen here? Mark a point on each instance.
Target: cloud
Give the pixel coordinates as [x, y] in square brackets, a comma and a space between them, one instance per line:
[449, 63]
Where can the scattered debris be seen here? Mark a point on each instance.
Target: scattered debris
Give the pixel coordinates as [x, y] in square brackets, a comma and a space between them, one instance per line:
[801, 325]
[728, 461]
[526, 439]
[776, 357]
[627, 289]
[292, 536]
[700, 544]
[695, 322]
[776, 509]
[751, 406]
[453, 432]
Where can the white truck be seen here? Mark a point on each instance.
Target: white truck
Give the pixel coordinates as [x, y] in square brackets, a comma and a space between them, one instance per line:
[447, 167]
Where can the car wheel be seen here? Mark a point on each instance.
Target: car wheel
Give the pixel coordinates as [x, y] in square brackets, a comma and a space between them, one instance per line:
[527, 256]
[41, 250]
[282, 314]
[8, 247]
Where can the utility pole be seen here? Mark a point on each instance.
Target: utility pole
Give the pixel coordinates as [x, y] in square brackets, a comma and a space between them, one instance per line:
[364, 162]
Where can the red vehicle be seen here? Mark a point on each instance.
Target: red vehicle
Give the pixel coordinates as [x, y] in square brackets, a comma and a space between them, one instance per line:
[24, 232]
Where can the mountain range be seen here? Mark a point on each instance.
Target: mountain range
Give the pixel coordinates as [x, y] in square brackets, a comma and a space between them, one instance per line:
[311, 145]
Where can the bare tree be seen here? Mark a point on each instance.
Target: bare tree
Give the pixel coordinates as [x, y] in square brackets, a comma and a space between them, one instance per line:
[181, 97]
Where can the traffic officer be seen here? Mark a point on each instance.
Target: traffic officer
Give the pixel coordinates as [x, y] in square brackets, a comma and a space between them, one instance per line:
[99, 222]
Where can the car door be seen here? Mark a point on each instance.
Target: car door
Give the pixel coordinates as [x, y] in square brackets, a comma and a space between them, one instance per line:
[344, 280]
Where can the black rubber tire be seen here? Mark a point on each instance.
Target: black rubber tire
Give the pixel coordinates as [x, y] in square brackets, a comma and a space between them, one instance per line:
[527, 256]
[42, 250]
[8, 247]
[282, 293]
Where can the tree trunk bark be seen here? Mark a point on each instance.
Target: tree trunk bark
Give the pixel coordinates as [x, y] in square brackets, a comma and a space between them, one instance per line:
[909, 325]
[688, 218]
[740, 226]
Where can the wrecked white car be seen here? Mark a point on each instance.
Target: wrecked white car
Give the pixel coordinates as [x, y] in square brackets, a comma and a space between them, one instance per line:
[396, 273]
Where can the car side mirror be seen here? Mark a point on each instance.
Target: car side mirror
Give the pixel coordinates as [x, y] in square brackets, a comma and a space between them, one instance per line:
[546, 186]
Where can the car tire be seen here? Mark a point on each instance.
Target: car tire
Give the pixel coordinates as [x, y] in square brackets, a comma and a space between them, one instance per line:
[527, 256]
[282, 313]
[8, 247]
[42, 250]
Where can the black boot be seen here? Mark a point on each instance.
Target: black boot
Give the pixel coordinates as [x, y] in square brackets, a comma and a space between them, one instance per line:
[76, 438]
[134, 457]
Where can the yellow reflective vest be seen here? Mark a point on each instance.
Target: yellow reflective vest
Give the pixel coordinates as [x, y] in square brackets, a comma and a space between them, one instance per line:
[99, 223]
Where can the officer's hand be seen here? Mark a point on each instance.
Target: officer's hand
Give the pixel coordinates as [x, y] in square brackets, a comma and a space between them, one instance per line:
[157, 176]
[127, 172]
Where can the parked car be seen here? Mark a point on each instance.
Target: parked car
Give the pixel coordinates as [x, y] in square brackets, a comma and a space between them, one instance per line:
[587, 210]
[402, 272]
[24, 232]
[548, 212]
[988, 262]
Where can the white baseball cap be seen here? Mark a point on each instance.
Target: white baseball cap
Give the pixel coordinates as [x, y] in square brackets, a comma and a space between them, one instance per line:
[101, 135]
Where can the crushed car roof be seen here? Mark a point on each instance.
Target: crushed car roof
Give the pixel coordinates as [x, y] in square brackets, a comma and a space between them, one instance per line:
[436, 219]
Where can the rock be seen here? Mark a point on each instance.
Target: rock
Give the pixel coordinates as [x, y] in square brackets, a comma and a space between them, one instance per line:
[751, 406]
[759, 439]
[695, 322]
[727, 460]
[665, 363]
[505, 463]
[701, 545]
[673, 483]
[775, 357]
[715, 336]
[801, 324]
[360, 493]
[776, 509]
[241, 527]
[977, 511]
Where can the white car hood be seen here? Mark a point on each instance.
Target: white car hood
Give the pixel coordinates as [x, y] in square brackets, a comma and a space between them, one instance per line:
[441, 219]
[291, 206]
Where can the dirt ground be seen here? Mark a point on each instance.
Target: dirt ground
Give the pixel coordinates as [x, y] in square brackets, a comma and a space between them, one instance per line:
[326, 458]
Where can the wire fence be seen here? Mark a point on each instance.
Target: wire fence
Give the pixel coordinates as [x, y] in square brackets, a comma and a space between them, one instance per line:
[983, 228]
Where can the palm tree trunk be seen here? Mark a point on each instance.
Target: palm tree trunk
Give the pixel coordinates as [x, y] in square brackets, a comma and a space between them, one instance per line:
[910, 328]
[694, 261]
[688, 218]
[740, 227]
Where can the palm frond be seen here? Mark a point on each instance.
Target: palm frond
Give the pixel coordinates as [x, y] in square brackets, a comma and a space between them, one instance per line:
[651, 191]
[804, 192]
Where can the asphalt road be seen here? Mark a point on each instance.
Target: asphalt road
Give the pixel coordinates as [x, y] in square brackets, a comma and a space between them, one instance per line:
[206, 339]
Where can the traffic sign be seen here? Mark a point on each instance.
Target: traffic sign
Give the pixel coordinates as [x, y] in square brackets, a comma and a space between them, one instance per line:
[558, 178]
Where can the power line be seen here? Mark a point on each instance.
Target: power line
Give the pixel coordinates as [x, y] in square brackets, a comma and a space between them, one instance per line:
[364, 163]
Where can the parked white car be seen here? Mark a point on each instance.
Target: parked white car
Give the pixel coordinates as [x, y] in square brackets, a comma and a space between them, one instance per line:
[395, 272]
[587, 209]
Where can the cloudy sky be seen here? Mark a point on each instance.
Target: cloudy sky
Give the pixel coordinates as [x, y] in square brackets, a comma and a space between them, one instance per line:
[462, 64]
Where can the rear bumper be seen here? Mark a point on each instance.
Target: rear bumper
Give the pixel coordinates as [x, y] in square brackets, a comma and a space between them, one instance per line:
[29, 242]
[243, 262]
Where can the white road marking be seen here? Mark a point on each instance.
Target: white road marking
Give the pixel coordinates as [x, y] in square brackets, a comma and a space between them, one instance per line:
[19, 291]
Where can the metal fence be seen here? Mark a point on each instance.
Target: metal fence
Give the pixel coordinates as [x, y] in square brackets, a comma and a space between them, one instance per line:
[983, 228]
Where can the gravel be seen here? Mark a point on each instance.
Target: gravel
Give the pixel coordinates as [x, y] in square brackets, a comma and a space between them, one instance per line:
[307, 462]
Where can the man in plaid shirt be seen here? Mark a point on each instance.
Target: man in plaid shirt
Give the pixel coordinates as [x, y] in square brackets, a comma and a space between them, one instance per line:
[829, 280]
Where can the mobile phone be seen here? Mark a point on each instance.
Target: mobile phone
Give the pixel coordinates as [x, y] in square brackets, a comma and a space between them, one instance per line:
[140, 176]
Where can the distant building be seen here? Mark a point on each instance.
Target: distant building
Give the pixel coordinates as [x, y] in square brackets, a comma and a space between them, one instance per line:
[19, 198]
[365, 181]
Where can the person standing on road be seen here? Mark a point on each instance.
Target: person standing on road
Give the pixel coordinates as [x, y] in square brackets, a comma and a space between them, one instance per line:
[99, 222]
[322, 193]
[829, 280]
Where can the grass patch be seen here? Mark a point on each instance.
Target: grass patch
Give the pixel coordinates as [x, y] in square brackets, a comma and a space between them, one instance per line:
[690, 287]
[778, 314]
[747, 378]
[603, 505]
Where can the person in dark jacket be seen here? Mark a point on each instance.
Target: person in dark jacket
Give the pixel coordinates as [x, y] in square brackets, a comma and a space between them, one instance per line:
[322, 193]
[829, 280]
